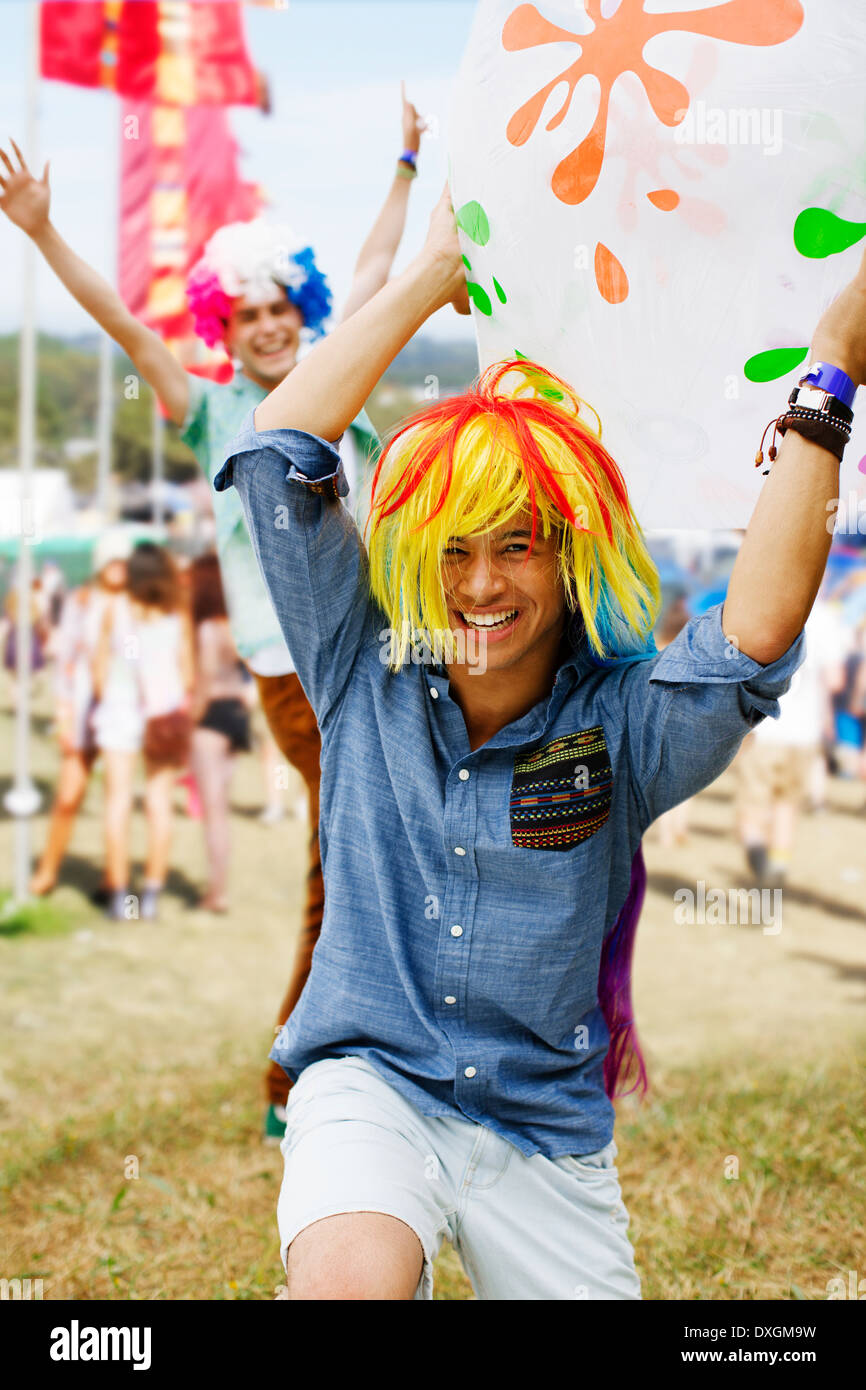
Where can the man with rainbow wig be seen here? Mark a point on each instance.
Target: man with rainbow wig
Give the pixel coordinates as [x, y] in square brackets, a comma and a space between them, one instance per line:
[498, 731]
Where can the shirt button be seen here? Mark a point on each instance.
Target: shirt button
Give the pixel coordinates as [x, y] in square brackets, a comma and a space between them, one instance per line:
[450, 999]
[463, 775]
[458, 849]
[470, 1071]
[434, 693]
[456, 931]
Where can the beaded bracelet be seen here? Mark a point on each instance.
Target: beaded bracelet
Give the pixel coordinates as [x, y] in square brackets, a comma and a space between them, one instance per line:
[811, 424]
[830, 426]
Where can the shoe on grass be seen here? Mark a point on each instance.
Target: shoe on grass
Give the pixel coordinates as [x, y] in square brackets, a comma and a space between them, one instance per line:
[149, 903]
[115, 909]
[275, 1124]
[758, 860]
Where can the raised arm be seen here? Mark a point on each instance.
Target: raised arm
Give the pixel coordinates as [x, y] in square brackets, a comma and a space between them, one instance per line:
[324, 393]
[779, 568]
[377, 254]
[26, 202]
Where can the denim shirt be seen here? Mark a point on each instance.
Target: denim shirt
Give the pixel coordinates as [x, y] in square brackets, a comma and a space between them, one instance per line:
[463, 928]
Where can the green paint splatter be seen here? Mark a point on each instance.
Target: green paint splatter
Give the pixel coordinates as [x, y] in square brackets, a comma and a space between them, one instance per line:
[818, 233]
[472, 219]
[466, 263]
[768, 366]
[480, 298]
[500, 293]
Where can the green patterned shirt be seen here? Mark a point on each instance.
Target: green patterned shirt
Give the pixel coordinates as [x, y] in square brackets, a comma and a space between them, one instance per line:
[213, 418]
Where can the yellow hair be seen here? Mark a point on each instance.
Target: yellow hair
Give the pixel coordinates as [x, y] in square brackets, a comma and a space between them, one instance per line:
[472, 463]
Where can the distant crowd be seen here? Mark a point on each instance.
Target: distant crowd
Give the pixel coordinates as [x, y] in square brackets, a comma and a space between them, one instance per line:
[142, 666]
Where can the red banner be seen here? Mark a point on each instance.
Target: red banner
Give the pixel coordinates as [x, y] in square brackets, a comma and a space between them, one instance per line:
[178, 52]
[179, 182]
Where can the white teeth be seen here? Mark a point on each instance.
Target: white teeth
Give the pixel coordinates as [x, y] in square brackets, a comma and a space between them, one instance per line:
[489, 619]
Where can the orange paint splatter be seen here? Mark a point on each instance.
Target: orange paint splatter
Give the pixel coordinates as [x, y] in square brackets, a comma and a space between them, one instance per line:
[616, 46]
[610, 277]
[666, 199]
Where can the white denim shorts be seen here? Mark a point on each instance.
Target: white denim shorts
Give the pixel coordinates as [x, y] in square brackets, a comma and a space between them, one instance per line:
[524, 1228]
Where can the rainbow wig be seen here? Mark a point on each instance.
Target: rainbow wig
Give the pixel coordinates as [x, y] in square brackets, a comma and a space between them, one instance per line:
[518, 441]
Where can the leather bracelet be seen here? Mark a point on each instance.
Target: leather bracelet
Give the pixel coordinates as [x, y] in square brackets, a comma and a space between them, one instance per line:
[814, 425]
[839, 426]
[818, 401]
[828, 423]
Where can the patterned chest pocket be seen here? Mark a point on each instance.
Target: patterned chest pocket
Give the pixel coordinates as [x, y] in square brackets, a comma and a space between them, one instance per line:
[561, 793]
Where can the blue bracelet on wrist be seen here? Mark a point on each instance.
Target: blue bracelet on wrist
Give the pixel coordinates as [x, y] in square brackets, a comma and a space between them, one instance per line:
[832, 380]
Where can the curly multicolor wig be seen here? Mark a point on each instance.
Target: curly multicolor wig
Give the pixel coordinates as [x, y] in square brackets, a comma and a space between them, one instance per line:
[522, 440]
[247, 259]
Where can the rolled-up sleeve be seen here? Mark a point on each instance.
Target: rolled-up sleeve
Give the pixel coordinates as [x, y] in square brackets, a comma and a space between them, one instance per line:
[308, 548]
[689, 708]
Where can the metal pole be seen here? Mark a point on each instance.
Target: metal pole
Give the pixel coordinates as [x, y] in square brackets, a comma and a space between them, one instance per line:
[105, 416]
[103, 426]
[158, 468]
[23, 799]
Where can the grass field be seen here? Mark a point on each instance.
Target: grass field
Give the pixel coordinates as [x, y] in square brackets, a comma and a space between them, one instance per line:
[130, 1083]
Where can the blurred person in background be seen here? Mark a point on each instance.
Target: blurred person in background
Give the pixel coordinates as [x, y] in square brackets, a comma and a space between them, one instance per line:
[849, 720]
[259, 299]
[54, 588]
[777, 763]
[857, 695]
[81, 620]
[38, 634]
[143, 674]
[672, 828]
[220, 715]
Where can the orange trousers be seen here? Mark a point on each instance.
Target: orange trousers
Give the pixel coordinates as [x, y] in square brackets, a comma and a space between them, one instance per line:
[296, 734]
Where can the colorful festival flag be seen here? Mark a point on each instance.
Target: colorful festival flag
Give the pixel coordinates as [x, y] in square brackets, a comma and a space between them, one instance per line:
[656, 200]
[179, 182]
[180, 52]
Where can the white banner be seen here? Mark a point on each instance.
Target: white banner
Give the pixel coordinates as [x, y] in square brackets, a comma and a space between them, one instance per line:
[657, 198]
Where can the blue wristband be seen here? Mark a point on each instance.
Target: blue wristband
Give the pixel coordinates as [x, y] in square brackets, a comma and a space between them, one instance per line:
[832, 380]
[409, 157]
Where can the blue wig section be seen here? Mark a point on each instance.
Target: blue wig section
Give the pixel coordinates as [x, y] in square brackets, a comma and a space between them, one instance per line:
[619, 638]
[314, 298]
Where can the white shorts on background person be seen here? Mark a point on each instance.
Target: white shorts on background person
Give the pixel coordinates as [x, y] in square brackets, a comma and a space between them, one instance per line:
[525, 1228]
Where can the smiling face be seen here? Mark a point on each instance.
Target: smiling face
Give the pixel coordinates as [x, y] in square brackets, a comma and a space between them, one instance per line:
[265, 337]
[494, 586]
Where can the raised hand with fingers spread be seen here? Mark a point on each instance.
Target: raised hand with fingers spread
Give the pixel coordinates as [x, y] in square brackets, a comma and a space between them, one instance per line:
[24, 199]
[413, 124]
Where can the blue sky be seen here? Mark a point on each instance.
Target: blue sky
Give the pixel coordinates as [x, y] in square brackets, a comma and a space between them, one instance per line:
[326, 154]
